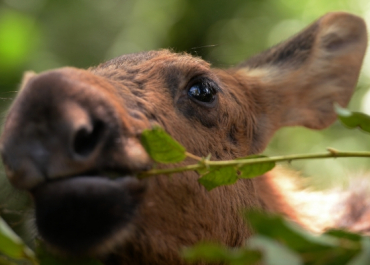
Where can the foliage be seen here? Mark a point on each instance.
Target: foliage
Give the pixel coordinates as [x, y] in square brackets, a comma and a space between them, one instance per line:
[12, 246]
[14, 251]
[353, 119]
[170, 152]
[281, 242]
[163, 149]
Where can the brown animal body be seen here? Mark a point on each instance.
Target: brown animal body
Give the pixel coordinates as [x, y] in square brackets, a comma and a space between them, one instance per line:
[69, 129]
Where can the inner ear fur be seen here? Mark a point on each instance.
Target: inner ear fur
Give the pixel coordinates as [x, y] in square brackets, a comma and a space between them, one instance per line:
[298, 81]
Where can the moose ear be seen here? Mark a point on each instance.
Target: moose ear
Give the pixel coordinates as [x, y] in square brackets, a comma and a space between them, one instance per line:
[299, 80]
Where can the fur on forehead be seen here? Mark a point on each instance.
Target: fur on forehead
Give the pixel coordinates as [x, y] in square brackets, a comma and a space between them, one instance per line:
[132, 61]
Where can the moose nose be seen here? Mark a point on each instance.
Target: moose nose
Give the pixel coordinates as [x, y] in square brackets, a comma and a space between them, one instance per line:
[56, 128]
[85, 132]
[53, 147]
[86, 138]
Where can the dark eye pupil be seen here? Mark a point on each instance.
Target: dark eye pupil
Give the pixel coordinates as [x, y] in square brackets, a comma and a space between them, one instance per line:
[202, 92]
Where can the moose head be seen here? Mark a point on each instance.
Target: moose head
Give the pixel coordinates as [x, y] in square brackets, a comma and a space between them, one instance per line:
[72, 140]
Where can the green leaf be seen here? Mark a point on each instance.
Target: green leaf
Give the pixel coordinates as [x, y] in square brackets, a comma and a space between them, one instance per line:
[327, 249]
[344, 235]
[162, 147]
[204, 170]
[255, 170]
[213, 253]
[47, 258]
[273, 252]
[276, 227]
[353, 119]
[364, 257]
[209, 252]
[218, 177]
[11, 244]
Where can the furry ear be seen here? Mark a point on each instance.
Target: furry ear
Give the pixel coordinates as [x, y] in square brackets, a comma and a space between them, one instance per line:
[299, 80]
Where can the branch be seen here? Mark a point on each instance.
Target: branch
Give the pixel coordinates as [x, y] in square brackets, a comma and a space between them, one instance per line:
[204, 163]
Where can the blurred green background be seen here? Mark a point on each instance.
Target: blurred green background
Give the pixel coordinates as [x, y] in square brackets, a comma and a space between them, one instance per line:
[42, 34]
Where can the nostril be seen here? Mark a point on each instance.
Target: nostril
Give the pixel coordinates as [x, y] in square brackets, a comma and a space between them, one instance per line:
[87, 139]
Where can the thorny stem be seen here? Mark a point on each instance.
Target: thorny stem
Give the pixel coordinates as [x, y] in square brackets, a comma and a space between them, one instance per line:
[203, 163]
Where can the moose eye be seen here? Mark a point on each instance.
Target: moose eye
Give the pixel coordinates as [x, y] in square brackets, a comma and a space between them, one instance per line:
[202, 92]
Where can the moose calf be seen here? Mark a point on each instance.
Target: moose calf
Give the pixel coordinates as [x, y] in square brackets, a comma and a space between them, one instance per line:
[69, 129]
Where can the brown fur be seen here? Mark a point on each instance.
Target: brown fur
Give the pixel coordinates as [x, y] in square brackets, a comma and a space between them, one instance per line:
[293, 83]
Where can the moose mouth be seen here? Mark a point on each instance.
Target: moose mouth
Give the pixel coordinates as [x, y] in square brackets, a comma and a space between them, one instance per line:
[78, 214]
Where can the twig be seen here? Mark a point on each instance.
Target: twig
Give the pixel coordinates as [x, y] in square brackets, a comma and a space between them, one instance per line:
[332, 153]
[198, 158]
